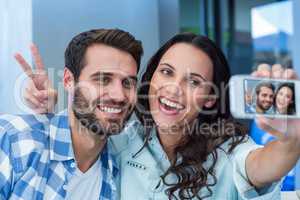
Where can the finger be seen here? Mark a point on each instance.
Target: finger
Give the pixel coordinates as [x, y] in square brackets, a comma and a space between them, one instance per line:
[276, 67]
[263, 70]
[48, 98]
[266, 124]
[24, 65]
[47, 94]
[37, 58]
[254, 73]
[35, 109]
[31, 88]
[32, 101]
[277, 71]
[42, 95]
[40, 110]
[263, 73]
[289, 74]
[263, 67]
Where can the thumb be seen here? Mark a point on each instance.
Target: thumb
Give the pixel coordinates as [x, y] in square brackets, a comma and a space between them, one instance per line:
[47, 94]
[271, 126]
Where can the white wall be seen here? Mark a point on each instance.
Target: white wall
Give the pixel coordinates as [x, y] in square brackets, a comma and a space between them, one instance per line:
[168, 19]
[243, 13]
[51, 25]
[55, 22]
[15, 36]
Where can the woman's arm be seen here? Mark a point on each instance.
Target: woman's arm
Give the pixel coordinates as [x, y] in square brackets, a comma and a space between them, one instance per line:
[271, 163]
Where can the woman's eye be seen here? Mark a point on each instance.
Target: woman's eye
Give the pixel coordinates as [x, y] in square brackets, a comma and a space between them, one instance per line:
[194, 82]
[166, 71]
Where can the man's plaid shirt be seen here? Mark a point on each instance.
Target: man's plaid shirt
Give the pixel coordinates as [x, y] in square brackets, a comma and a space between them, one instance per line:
[37, 159]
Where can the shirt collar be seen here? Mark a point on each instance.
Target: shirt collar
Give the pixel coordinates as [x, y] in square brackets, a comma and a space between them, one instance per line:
[61, 148]
[108, 161]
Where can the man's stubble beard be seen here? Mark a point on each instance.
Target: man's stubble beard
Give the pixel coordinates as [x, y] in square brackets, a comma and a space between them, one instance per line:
[84, 112]
[261, 106]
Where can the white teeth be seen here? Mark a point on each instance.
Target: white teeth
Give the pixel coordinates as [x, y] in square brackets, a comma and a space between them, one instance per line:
[171, 104]
[110, 110]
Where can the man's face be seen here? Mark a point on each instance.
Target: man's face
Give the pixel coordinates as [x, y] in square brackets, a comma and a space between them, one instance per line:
[105, 93]
[265, 98]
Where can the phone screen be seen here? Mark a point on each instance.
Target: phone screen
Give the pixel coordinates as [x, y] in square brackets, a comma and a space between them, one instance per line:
[269, 97]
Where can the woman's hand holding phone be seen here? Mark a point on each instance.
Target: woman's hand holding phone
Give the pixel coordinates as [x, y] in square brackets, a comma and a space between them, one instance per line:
[286, 129]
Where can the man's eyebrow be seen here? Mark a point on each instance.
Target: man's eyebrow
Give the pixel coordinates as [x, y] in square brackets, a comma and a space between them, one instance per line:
[99, 74]
[133, 78]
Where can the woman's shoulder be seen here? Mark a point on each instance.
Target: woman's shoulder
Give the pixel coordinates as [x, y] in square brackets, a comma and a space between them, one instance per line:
[131, 135]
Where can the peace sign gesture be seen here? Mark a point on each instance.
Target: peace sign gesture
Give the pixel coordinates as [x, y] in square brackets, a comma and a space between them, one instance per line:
[39, 93]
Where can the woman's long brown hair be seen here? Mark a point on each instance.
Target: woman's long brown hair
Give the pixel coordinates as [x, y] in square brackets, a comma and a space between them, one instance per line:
[198, 145]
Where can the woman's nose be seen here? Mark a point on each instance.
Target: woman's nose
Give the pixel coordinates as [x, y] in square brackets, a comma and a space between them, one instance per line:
[174, 88]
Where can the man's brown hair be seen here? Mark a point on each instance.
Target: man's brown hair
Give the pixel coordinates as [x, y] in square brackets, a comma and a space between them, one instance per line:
[119, 39]
[264, 84]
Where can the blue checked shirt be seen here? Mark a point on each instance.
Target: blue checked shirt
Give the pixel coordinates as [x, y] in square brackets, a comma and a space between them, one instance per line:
[37, 159]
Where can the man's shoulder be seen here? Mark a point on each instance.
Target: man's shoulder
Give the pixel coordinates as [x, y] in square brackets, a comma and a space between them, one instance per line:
[23, 138]
[24, 131]
[24, 122]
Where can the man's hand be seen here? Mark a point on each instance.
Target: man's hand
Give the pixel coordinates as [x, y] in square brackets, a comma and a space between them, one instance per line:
[39, 93]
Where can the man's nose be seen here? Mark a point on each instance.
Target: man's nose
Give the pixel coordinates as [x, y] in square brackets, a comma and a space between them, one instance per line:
[270, 100]
[117, 92]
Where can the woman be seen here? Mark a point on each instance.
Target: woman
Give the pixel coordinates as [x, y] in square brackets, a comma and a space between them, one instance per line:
[177, 144]
[185, 144]
[285, 99]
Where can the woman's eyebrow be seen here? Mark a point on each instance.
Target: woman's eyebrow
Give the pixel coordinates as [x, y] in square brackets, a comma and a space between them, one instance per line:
[168, 65]
[198, 75]
[191, 74]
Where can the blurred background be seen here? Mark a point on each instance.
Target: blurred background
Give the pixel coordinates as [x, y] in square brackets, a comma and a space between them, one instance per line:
[248, 31]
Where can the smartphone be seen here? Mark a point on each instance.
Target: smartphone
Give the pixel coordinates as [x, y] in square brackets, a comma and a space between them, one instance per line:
[275, 98]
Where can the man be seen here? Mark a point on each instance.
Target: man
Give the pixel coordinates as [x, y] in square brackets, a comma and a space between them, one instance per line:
[264, 98]
[66, 156]
[248, 101]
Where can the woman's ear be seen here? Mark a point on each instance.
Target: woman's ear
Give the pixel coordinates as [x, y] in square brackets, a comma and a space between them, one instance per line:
[210, 102]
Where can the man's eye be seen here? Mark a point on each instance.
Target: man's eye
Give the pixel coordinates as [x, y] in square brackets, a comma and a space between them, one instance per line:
[104, 80]
[128, 83]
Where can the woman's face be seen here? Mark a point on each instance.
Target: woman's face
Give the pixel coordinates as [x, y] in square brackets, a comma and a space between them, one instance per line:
[179, 87]
[284, 98]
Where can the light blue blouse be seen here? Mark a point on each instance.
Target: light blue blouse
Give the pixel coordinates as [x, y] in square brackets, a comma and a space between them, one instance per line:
[140, 175]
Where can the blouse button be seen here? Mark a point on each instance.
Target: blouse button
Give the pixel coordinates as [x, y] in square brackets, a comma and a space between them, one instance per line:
[73, 165]
[65, 187]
